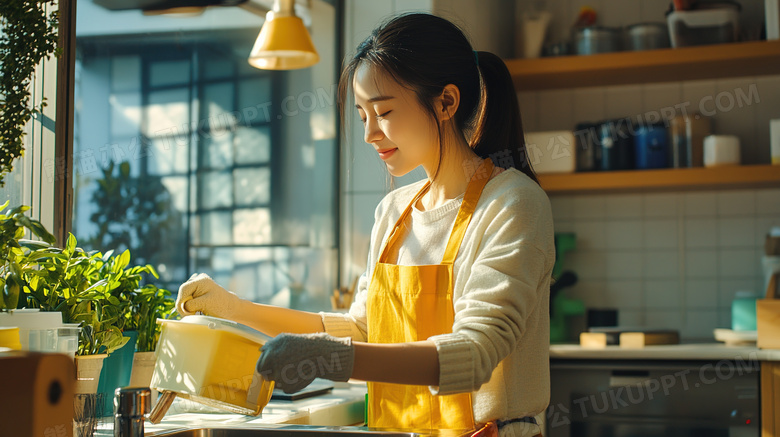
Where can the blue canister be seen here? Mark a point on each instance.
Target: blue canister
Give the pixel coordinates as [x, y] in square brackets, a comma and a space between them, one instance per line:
[651, 146]
[743, 311]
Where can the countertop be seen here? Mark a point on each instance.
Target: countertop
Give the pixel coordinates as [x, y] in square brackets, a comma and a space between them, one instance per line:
[346, 403]
[343, 406]
[697, 351]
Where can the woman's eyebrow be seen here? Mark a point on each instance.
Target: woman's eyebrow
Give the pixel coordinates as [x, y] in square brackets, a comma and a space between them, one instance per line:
[375, 99]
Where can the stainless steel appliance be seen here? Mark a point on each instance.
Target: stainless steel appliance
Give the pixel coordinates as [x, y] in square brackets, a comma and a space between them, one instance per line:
[621, 398]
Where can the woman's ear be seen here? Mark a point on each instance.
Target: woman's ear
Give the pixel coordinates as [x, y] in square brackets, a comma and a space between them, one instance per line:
[447, 103]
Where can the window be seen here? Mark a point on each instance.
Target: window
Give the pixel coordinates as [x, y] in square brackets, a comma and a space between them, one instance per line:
[198, 162]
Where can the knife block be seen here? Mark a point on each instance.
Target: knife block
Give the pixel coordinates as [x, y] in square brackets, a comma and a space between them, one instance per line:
[36, 397]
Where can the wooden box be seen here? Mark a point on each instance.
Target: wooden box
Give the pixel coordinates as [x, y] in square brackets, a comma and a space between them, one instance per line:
[768, 317]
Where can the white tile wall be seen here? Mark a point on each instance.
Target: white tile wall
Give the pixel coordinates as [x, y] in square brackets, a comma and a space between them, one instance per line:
[683, 269]
[701, 293]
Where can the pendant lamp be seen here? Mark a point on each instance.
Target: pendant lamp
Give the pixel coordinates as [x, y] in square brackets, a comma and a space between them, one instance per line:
[283, 43]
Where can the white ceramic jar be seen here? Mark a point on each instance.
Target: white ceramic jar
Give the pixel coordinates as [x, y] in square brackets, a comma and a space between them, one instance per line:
[721, 150]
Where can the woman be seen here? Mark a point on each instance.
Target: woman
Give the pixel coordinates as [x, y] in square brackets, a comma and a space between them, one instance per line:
[450, 324]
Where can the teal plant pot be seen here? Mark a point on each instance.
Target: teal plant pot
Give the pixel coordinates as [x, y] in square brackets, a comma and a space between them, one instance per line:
[117, 368]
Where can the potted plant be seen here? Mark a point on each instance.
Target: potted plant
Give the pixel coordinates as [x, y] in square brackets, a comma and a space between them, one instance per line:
[149, 304]
[141, 305]
[35, 274]
[69, 280]
[100, 292]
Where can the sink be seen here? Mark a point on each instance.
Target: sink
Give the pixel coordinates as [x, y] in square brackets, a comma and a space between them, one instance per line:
[307, 431]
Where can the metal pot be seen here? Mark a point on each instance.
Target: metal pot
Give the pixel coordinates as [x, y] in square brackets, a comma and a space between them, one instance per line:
[648, 36]
[597, 39]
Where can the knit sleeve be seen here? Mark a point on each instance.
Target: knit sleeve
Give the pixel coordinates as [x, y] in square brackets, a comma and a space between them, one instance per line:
[505, 284]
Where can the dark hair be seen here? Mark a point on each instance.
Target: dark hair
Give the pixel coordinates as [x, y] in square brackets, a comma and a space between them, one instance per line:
[425, 53]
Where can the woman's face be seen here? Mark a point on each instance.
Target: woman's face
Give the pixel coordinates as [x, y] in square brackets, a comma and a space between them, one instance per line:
[396, 125]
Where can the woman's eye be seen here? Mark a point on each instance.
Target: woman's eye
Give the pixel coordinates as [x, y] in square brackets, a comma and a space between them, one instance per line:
[383, 115]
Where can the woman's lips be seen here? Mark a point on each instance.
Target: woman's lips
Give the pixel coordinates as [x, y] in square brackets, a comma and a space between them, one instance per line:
[386, 153]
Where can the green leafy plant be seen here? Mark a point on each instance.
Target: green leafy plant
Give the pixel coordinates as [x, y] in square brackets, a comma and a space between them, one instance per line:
[28, 35]
[13, 248]
[149, 304]
[103, 293]
[74, 282]
[145, 304]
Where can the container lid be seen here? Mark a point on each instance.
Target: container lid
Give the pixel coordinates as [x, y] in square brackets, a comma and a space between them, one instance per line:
[598, 29]
[68, 330]
[648, 24]
[31, 318]
[222, 325]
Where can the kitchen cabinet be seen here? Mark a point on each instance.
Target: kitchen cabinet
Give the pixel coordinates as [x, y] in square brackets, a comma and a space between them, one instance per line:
[653, 398]
[770, 399]
[673, 389]
[709, 386]
[653, 66]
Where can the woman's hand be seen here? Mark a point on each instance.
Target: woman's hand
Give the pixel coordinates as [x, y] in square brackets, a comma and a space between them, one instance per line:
[294, 360]
[201, 293]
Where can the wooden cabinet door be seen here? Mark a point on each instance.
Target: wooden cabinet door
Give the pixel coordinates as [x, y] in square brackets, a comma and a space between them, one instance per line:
[770, 399]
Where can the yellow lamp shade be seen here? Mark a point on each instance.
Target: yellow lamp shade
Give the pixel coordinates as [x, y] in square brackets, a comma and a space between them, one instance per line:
[283, 44]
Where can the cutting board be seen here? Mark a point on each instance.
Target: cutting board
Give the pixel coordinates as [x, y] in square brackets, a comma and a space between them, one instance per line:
[627, 337]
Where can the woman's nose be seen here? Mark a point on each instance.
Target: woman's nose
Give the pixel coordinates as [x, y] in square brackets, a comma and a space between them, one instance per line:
[372, 132]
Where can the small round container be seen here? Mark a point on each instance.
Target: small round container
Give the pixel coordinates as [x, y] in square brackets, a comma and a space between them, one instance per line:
[68, 339]
[721, 150]
[597, 39]
[743, 311]
[37, 329]
[9, 337]
[651, 146]
[647, 36]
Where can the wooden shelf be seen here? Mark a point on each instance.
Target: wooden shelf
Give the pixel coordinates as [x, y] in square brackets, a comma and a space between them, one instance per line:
[738, 176]
[663, 65]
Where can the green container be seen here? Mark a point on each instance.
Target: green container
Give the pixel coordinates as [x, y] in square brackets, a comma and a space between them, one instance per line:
[743, 312]
[116, 372]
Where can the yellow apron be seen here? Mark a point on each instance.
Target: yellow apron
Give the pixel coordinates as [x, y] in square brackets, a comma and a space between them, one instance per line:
[413, 303]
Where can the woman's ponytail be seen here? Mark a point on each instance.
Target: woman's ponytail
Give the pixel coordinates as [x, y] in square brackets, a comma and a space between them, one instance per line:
[498, 129]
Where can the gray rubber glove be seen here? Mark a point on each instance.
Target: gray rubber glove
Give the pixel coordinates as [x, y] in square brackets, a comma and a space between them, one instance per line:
[294, 360]
[201, 293]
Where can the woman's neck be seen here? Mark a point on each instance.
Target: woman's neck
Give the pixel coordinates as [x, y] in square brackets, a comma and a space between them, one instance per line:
[458, 165]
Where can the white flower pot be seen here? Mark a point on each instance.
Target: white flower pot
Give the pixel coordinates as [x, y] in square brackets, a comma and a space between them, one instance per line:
[88, 369]
[143, 368]
[87, 402]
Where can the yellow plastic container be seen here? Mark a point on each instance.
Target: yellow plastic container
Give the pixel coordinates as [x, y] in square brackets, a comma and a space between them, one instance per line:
[9, 337]
[212, 361]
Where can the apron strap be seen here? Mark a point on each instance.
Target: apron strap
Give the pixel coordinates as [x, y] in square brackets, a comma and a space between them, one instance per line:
[396, 234]
[470, 199]
[467, 207]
